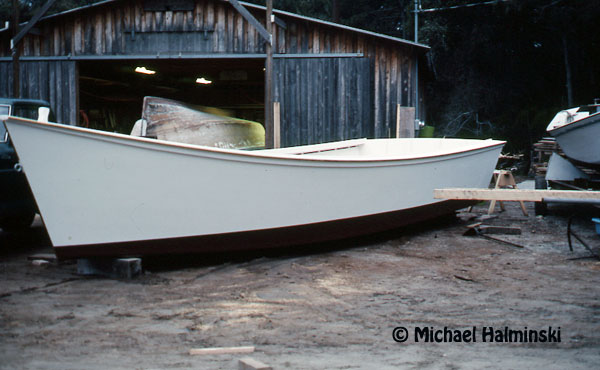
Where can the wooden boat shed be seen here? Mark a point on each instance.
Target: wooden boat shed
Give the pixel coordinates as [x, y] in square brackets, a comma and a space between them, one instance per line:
[330, 81]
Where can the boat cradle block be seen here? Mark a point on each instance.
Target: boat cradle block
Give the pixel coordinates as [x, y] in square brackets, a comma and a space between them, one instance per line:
[117, 268]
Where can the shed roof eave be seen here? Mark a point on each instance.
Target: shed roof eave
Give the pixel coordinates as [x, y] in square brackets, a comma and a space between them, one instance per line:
[275, 11]
[337, 25]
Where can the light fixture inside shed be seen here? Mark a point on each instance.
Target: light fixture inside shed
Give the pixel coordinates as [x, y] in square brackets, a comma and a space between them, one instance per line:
[203, 81]
[144, 70]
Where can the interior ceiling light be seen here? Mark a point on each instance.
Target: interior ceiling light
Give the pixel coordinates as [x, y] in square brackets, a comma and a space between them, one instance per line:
[203, 81]
[144, 70]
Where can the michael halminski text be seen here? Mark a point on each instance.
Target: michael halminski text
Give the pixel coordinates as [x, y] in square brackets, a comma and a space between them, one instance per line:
[485, 334]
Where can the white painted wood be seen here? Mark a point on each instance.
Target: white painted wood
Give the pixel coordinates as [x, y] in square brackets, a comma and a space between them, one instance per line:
[577, 134]
[98, 187]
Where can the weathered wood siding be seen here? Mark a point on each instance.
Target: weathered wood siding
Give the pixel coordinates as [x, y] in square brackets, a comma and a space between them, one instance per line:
[317, 95]
[126, 28]
[53, 81]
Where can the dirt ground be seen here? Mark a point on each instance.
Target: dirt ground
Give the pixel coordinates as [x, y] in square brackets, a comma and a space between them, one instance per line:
[331, 306]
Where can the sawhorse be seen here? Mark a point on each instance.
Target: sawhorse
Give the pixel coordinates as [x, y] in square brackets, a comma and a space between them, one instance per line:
[504, 179]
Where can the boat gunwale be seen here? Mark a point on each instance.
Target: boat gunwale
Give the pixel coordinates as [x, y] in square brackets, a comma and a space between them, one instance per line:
[575, 125]
[133, 140]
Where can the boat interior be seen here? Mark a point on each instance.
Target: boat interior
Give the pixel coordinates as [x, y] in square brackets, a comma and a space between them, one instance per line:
[384, 148]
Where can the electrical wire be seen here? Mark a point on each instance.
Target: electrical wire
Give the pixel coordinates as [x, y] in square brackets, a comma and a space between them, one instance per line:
[431, 10]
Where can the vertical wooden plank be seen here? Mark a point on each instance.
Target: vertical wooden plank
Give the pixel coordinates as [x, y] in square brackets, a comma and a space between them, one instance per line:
[46, 40]
[77, 35]
[377, 98]
[98, 34]
[168, 25]
[367, 105]
[281, 40]
[177, 21]
[392, 103]
[316, 47]
[58, 83]
[9, 79]
[388, 106]
[198, 15]
[231, 34]
[66, 93]
[405, 85]
[56, 40]
[220, 29]
[37, 45]
[52, 86]
[119, 34]
[33, 72]
[355, 99]
[292, 44]
[4, 79]
[88, 37]
[331, 99]
[108, 32]
[73, 90]
[305, 38]
[44, 81]
[321, 100]
[297, 139]
[238, 42]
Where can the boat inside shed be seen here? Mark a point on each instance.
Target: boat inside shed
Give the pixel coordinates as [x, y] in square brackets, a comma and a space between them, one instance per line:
[111, 92]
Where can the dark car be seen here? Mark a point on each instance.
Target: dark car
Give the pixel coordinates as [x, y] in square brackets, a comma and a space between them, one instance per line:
[17, 205]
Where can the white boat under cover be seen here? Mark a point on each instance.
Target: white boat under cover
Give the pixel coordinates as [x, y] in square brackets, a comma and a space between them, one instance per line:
[103, 193]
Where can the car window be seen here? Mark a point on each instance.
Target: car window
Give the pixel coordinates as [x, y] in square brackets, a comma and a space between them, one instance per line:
[26, 111]
[4, 110]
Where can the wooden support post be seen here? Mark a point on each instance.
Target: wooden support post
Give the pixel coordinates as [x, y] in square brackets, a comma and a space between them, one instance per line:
[269, 138]
[504, 179]
[276, 124]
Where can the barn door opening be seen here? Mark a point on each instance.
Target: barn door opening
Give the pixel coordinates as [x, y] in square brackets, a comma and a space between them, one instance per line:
[323, 99]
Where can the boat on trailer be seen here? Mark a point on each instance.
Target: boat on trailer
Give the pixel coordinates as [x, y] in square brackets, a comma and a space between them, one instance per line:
[108, 194]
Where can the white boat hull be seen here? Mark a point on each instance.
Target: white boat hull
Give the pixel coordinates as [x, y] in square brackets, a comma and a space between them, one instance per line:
[580, 140]
[97, 189]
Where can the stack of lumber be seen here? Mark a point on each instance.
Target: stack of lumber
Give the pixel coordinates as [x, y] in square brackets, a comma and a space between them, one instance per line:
[542, 150]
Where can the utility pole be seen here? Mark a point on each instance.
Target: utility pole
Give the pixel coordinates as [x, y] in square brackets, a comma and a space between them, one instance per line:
[269, 126]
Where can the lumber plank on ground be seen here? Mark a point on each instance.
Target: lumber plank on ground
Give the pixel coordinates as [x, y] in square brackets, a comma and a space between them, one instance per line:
[221, 350]
[513, 194]
[248, 363]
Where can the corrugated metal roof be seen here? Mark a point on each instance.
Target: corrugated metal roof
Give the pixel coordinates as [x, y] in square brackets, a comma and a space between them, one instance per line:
[276, 12]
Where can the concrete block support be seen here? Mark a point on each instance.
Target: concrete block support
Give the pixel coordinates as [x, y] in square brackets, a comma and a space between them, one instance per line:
[116, 268]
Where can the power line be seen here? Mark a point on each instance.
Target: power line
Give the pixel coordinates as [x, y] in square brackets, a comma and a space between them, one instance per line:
[431, 10]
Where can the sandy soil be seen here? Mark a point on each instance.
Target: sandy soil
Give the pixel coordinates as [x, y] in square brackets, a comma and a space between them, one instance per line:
[330, 306]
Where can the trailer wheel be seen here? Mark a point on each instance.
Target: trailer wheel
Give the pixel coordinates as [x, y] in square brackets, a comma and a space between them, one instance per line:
[541, 208]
